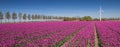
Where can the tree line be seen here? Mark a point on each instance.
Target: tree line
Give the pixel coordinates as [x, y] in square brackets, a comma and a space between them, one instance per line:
[85, 18]
[24, 17]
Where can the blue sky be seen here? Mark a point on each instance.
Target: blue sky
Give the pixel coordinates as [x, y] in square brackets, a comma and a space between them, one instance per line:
[63, 7]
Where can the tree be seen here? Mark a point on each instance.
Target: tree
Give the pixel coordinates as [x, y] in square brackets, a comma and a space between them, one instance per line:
[1, 16]
[39, 17]
[44, 17]
[7, 16]
[36, 17]
[29, 17]
[69, 18]
[33, 17]
[88, 18]
[20, 16]
[24, 16]
[14, 16]
[96, 19]
[49, 17]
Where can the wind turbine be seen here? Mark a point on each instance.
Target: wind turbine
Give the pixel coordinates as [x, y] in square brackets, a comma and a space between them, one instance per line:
[100, 12]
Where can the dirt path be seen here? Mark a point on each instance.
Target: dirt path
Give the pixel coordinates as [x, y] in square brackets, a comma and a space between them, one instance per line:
[96, 37]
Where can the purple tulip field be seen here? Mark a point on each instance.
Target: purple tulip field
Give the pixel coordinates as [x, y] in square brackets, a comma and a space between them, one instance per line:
[60, 34]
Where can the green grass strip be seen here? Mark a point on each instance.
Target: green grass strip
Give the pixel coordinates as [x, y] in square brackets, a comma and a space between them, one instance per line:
[63, 41]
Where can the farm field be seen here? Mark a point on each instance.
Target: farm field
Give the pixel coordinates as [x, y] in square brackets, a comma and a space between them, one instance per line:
[61, 34]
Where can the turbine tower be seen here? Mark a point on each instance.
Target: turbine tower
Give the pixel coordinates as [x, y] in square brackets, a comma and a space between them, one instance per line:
[100, 13]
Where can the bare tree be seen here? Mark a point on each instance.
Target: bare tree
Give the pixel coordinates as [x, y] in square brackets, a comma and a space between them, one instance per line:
[20, 16]
[7, 16]
[29, 17]
[39, 17]
[44, 17]
[36, 16]
[24, 16]
[14, 16]
[33, 17]
[1, 16]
